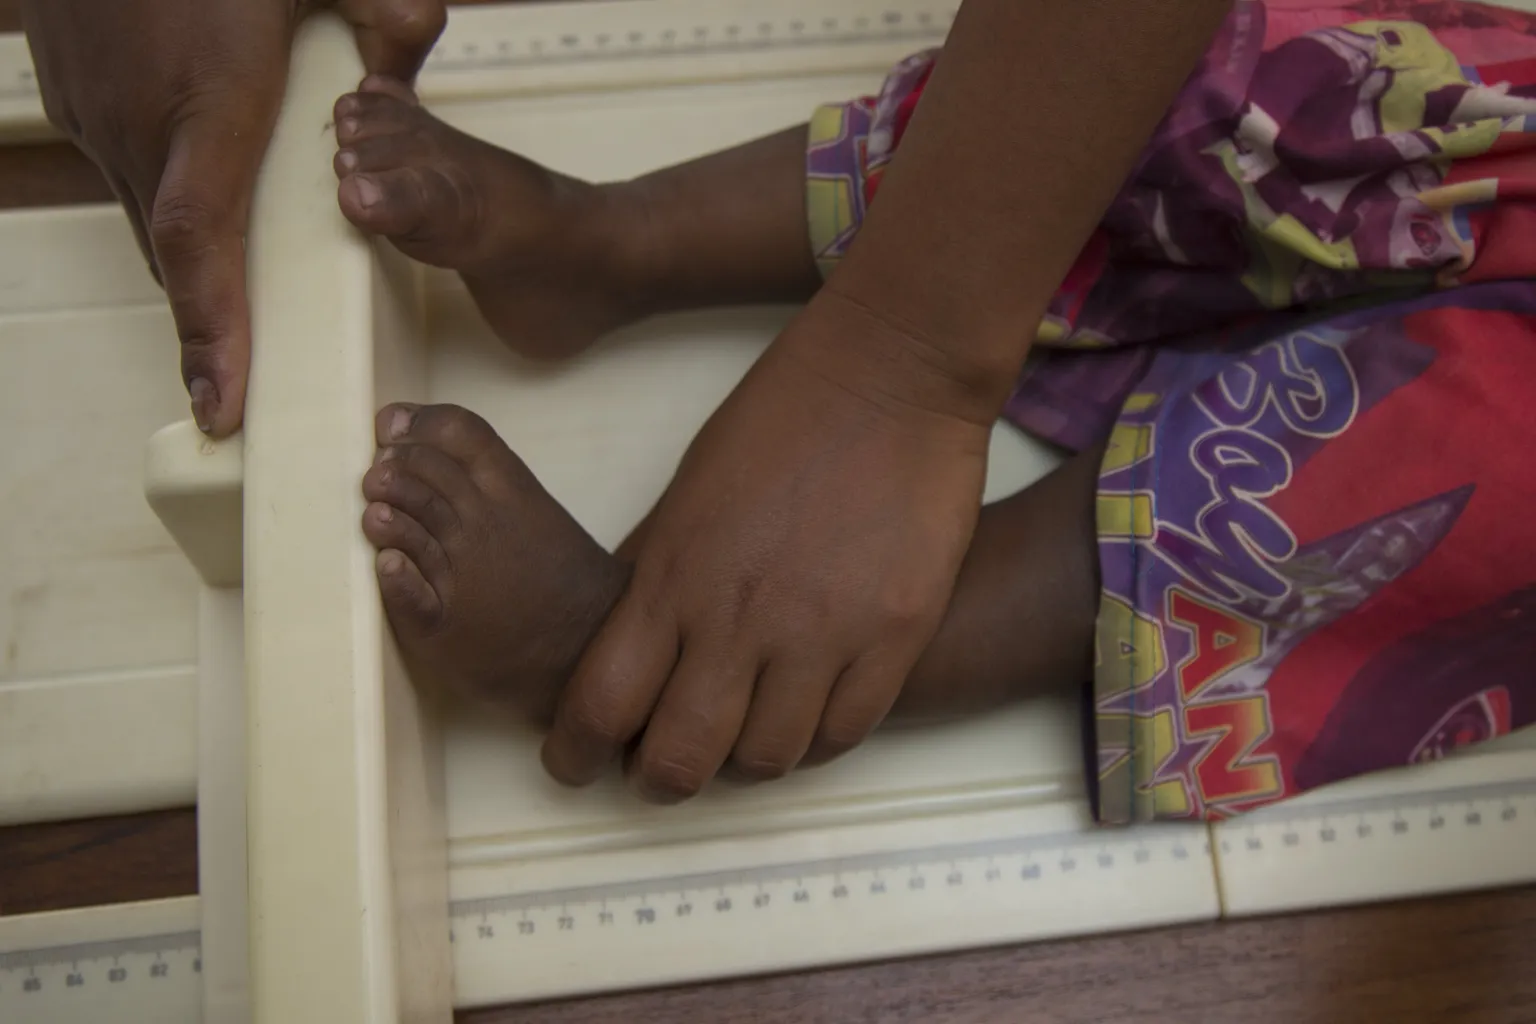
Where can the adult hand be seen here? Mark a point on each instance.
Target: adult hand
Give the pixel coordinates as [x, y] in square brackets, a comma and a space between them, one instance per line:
[794, 571]
[175, 101]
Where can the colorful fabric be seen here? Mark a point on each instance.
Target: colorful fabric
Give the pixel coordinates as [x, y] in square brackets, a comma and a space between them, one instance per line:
[1306, 329]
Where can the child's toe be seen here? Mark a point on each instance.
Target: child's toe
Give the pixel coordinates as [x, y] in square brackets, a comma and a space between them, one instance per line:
[416, 206]
[411, 603]
[360, 116]
[456, 432]
[381, 153]
[384, 85]
[392, 483]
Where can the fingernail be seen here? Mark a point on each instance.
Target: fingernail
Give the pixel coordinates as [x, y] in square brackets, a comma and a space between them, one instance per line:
[399, 423]
[205, 402]
[368, 191]
[347, 159]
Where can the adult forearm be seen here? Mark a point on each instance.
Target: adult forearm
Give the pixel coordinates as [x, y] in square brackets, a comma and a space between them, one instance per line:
[1034, 116]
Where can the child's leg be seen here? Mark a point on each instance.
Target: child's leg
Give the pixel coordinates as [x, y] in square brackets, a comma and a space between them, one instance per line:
[495, 590]
[554, 262]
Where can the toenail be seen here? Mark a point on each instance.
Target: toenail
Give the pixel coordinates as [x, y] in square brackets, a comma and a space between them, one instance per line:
[385, 514]
[368, 191]
[391, 562]
[384, 455]
[348, 104]
[399, 423]
[347, 159]
[349, 126]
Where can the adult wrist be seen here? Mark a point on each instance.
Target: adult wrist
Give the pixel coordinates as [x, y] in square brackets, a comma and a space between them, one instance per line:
[879, 349]
[960, 357]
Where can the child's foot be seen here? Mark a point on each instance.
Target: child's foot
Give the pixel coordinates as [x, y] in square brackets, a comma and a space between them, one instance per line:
[494, 590]
[553, 263]
[490, 585]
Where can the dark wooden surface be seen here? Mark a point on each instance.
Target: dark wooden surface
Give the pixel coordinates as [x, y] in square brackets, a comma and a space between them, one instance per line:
[1458, 960]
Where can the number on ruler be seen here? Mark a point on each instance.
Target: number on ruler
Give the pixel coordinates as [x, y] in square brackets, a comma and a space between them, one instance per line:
[645, 915]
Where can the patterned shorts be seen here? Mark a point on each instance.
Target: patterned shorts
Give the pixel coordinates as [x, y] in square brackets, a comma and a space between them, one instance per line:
[1306, 331]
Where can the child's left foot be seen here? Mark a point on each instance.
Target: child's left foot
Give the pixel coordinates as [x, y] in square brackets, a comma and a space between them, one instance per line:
[489, 585]
[494, 590]
[551, 261]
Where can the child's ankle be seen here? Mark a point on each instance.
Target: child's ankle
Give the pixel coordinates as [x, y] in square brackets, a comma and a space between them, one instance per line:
[626, 248]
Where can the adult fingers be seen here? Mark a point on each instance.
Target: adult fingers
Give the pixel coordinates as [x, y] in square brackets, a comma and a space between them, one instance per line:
[197, 229]
[395, 36]
[859, 702]
[613, 691]
[784, 718]
[695, 723]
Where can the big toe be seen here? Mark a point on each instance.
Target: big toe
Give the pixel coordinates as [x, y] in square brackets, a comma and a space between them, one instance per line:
[454, 431]
[386, 85]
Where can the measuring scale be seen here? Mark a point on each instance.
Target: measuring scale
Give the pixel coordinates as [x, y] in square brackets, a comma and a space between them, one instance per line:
[966, 835]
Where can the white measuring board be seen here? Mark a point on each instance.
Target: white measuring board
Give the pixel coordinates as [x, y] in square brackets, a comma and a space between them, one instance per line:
[139, 962]
[923, 842]
[492, 52]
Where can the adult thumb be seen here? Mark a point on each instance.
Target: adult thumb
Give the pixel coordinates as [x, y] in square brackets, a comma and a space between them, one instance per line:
[197, 228]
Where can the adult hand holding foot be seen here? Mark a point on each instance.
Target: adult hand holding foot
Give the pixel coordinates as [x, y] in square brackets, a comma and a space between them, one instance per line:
[803, 556]
[175, 101]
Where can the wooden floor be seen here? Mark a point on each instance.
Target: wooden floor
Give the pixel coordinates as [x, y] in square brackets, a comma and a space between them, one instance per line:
[1460, 960]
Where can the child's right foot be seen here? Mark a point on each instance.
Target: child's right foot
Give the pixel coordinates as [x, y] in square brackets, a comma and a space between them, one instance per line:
[553, 263]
